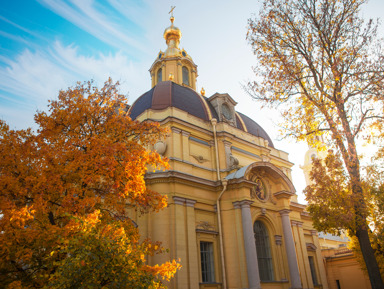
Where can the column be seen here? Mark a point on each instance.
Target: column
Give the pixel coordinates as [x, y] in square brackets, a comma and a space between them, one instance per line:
[290, 249]
[319, 258]
[250, 246]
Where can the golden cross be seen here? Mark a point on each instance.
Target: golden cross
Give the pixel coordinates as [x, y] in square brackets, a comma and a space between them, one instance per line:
[172, 7]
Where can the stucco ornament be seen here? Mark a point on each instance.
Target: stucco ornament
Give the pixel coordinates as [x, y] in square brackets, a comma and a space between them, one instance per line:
[160, 147]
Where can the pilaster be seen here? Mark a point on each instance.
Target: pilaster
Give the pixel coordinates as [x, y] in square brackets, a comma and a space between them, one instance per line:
[319, 258]
[182, 278]
[192, 245]
[176, 142]
[302, 254]
[185, 142]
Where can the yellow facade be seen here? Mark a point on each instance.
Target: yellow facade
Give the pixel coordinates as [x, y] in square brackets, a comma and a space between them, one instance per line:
[227, 185]
[343, 270]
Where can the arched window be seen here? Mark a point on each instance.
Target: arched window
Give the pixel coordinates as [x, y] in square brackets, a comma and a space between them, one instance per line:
[159, 75]
[263, 248]
[185, 75]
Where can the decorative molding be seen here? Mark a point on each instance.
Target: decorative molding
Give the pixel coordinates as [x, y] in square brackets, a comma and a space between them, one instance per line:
[314, 232]
[263, 211]
[183, 177]
[265, 158]
[190, 203]
[205, 226]
[160, 147]
[235, 137]
[298, 206]
[199, 141]
[297, 223]
[284, 212]
[175, 129]
[178, 200]
[245, 203]
[278, 240]
[245, 152]
[236, 205]
[283, 195]
[200, 159]
[184, 201]
[311, 247]
[233, 162]
[207, 232]
[185, 133]
[192, 164]
[227, 143]
[306, 215]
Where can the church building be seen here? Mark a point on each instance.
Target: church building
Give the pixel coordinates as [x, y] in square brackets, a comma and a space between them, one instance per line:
[233, 218]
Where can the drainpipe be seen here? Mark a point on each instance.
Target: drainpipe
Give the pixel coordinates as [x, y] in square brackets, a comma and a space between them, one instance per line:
[224, 183]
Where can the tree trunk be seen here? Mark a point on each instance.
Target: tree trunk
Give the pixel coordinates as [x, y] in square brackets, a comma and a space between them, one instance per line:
[363, 237]
[353, 166]
[369, 258]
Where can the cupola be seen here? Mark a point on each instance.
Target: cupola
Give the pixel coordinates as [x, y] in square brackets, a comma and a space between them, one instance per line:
[174, 64]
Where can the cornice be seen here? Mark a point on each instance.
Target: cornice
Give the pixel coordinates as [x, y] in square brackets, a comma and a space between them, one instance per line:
[192, 164]
[283, 195]
[224, 134]
[179, 177]
[297, 207]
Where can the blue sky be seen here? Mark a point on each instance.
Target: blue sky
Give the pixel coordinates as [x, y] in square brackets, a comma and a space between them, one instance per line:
[48, 45]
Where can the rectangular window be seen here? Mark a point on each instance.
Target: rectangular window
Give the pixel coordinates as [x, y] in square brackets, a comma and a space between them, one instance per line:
[313, 270]
[207, 266]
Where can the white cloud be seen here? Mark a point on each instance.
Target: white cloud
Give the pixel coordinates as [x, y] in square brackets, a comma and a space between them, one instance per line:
[83, 14]
[33, 77]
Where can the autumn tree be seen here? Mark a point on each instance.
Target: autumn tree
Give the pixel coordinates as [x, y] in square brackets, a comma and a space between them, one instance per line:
[374, 172]
[66, 191]
[324, 67]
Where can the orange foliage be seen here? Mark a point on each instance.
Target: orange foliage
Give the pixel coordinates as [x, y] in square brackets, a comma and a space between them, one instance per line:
[67, 187]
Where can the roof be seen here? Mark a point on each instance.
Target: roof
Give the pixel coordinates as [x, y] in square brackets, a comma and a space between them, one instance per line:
[169, 94]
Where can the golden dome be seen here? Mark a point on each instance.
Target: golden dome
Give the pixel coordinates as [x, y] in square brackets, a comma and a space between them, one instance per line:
[172, 36]
[172, 32]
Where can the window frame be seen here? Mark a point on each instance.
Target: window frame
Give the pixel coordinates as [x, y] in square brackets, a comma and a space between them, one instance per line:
[312, 267]
[209, 276]
[266, 257]
[159, 72]
[185, 69]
